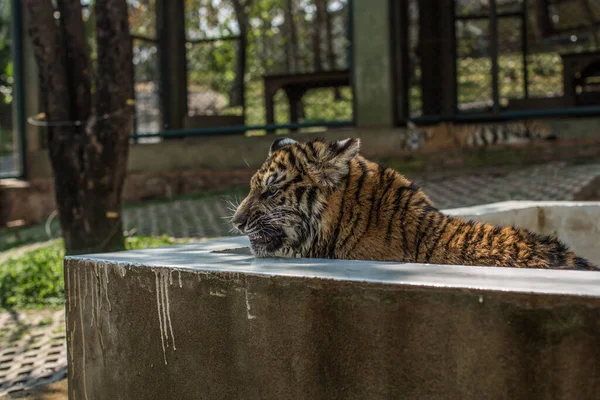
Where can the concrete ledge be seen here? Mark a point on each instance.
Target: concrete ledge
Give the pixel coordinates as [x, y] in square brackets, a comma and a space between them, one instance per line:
[200, 321]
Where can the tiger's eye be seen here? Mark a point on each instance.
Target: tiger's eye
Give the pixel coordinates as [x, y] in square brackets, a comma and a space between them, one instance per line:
[272, 191]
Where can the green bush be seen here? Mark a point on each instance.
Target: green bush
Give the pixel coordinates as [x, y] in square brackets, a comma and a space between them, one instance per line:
[36, 277]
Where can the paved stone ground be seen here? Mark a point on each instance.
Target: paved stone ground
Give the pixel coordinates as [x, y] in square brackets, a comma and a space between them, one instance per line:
[32, 350]
[38, 356]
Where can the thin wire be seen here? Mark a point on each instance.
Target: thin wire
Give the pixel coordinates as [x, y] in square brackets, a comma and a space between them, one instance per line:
[48, 225]
[40, 119]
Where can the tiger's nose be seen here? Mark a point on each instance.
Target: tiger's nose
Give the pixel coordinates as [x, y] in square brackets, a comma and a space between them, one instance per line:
[240, 220]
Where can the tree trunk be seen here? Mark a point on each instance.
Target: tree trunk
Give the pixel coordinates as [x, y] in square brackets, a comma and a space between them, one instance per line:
[78, 65]
[88, 157]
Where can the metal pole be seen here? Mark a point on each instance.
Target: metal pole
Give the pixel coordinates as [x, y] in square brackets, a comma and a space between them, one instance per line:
[135, 108]
[350, 56]
[163, 84]
[494, 54]
[18, 85]
[525, 49]
[245, 128]
[399, 50]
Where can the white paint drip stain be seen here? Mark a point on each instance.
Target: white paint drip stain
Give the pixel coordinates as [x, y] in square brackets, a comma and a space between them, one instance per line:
[158, 307]
[179, 273]
[70, 350]
[82, 337]
[94, 313]
[163, 281]
[106, 287]
[72, 333]
[69, 288]
[217, 293]
[248, 313]
[86, 285]
[163, 307]
[166, 292]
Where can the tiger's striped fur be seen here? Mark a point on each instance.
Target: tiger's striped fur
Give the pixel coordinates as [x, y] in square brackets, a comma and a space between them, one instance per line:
[449, 135]
[323, 200]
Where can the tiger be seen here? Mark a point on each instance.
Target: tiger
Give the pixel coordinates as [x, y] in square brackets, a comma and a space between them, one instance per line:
[449, 135]
[322, 199]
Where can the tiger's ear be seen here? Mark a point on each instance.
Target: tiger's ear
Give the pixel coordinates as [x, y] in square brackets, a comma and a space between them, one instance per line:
[334, 163]
[279, 143]
[344, 150]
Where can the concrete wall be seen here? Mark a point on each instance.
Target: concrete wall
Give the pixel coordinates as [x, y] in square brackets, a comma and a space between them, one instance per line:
[187, 323]
[225, 152]
[230, 152]
[372, 64]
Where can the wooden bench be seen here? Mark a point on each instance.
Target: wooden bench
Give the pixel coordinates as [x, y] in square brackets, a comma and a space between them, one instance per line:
[296, 86]
[576, 68]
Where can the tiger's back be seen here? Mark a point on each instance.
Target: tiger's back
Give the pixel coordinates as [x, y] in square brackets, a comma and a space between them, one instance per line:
[384, 217]
[447, 135]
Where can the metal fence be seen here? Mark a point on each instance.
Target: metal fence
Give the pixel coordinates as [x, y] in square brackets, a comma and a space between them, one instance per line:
[512, 58]
[256, 67]
[10, 141]
[235, 49]
[232, 50]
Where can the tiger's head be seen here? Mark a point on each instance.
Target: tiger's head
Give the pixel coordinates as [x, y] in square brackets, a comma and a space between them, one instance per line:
[282, 214]
[537, 130]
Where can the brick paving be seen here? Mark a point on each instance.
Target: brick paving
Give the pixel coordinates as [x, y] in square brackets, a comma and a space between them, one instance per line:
[555, 181]
[32, 346]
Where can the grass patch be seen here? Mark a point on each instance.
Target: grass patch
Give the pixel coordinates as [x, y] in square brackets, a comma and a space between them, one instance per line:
[35, 278]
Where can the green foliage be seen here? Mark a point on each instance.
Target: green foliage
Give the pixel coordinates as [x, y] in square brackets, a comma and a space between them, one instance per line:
[36, 277]
[319, 105]
[212, 65]
[475, 79]
[6, 69]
